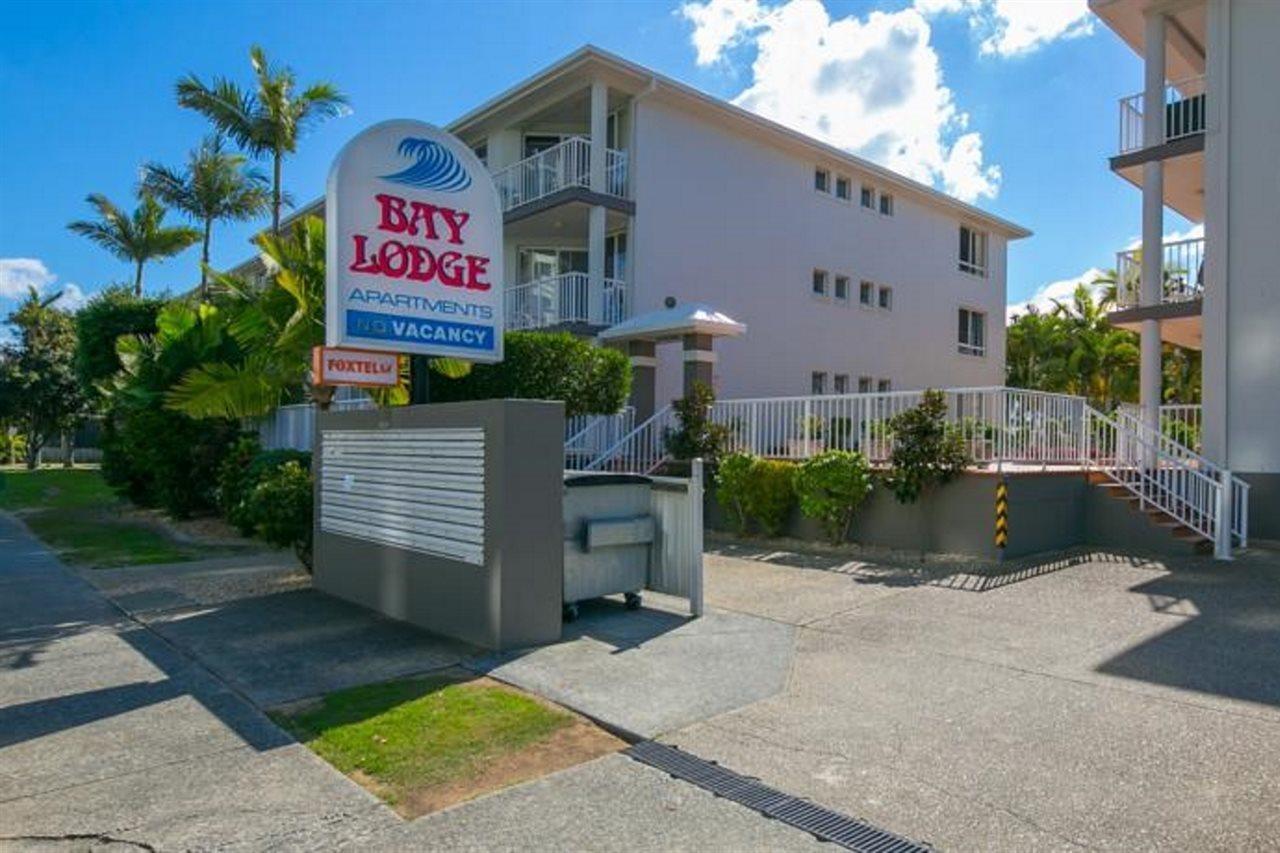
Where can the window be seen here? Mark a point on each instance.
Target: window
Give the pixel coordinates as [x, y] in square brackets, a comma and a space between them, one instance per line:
[884, 386]
[822, 180]
[842, 383]
[886, 204]
[819, 282]
[973, 332]
[536, 143]
[886, 298]
[864, 384]
[842, 288]
[818, 382]
[973, 251]
[482, 152]
[868, 197]
[843, 188]
[865, 291]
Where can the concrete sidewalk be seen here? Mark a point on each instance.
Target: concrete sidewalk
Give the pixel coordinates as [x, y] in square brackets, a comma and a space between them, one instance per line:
[142, 723]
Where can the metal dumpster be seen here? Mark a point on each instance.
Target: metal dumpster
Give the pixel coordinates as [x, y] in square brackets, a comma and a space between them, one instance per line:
[608, 530]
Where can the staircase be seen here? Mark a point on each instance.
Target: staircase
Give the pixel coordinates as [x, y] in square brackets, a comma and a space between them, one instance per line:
[641, 451]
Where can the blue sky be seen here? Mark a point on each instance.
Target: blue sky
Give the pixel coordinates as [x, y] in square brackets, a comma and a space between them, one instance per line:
[951, 91]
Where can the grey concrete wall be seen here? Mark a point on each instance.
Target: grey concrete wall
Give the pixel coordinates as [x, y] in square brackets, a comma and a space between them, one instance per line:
[514, 599]
[1264, 505]
[1047, 512]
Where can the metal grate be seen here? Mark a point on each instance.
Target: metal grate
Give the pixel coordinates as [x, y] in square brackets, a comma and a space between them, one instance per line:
[822, 823]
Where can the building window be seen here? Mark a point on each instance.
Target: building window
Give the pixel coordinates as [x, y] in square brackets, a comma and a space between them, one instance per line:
[818, 382]
[868, 197]
[843, 188]
[973, 332]
[819, 282]
[886, 204]
[865, 292]
[482, 152]
[886, 298]
[822, 180]
[884, 386]
[973, 251]
[842, 383]
[864, 384]
[842, 288]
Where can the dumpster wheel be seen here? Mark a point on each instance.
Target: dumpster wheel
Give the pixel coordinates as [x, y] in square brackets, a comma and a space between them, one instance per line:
[570, 612]
[633, 600]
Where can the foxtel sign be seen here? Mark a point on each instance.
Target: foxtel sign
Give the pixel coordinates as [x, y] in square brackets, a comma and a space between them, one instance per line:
[414, 246]
[346, 366]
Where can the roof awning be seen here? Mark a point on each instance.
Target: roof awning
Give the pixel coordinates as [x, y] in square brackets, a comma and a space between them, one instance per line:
[691, 318]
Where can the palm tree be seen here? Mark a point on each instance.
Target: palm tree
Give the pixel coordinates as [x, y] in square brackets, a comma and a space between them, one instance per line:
[275, 329]
[213, 187]
[267, 121]
[139, 238]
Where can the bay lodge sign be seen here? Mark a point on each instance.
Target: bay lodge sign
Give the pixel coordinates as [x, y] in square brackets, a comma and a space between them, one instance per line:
[414, 246]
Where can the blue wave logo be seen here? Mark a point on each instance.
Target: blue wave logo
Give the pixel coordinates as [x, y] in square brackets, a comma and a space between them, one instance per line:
[436, 167]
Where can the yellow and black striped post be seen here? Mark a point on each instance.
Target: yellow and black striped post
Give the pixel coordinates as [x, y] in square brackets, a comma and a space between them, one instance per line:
[1002, 516]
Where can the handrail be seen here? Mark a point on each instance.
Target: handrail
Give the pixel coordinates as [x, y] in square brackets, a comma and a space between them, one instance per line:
[565, 298]
[1182, 272]
[642, 450]
[594, 435]
[559, 167]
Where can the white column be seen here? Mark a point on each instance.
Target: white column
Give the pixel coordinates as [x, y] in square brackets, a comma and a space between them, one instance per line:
[1152, 286]
[599, 133]
[595, 263]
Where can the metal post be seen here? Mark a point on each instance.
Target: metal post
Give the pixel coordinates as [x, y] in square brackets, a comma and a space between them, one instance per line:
[1222, 538]
[1002, 518]
[695, 535]
[419, 379]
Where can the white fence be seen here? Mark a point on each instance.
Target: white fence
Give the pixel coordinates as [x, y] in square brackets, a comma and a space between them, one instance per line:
[559, 167]
[294, 426]
[588, 436]
[565, 298]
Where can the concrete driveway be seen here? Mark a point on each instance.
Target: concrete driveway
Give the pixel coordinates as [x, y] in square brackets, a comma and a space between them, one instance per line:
[1095, 702]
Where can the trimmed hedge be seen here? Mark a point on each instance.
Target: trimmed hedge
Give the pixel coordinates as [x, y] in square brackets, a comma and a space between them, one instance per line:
[756, 492]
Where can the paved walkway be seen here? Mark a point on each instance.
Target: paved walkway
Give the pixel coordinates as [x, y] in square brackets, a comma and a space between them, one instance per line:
[138, 721]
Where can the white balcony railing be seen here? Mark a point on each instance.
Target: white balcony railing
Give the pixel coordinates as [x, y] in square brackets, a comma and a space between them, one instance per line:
[560, 167]
[565, 298]
[1184, 114]
[1183, 273]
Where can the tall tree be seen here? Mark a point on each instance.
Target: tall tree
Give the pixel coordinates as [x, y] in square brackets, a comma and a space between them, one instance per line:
[139, 238]
[214, 186]
[38, 386]
[266, 121]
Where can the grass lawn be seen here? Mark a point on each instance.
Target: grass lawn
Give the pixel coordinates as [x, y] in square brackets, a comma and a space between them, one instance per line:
[75, 513]
[423, 744]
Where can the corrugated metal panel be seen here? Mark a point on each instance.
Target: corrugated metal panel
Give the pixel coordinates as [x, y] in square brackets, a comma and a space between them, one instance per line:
[418, 489]
[676, 564]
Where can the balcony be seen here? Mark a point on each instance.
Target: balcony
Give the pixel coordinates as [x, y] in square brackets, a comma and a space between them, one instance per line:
[1184, 115]
[563, 167]
[1179, 308]
[1183, 273]
[565, 300]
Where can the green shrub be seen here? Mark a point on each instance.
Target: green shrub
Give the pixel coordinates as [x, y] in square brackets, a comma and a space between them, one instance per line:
[281, 506]
[927, 451]
[755, 491]
[732, 480]
[590, 380]
[695, 436]
[830, 487]
[112, 312]
[771, 495]
[242, 470]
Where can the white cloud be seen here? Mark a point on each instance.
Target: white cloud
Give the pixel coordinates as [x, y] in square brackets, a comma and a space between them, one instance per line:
[1043, 299]
[1017, 27]
[19, 275]
[871, 86]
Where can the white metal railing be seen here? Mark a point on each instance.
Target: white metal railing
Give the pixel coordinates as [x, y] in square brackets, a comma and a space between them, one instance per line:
[998, 424]
[1182, 422]
[1184, 114]
[564, 298]
[294, 426]
[559, 167]
[588, 436]
[1182, 277]
[641, 450]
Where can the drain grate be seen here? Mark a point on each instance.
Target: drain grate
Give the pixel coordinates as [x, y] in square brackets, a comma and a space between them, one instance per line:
[822, 823]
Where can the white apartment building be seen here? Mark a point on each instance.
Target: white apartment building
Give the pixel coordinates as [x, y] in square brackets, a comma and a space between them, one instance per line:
[1203, 138]
[624, 190]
